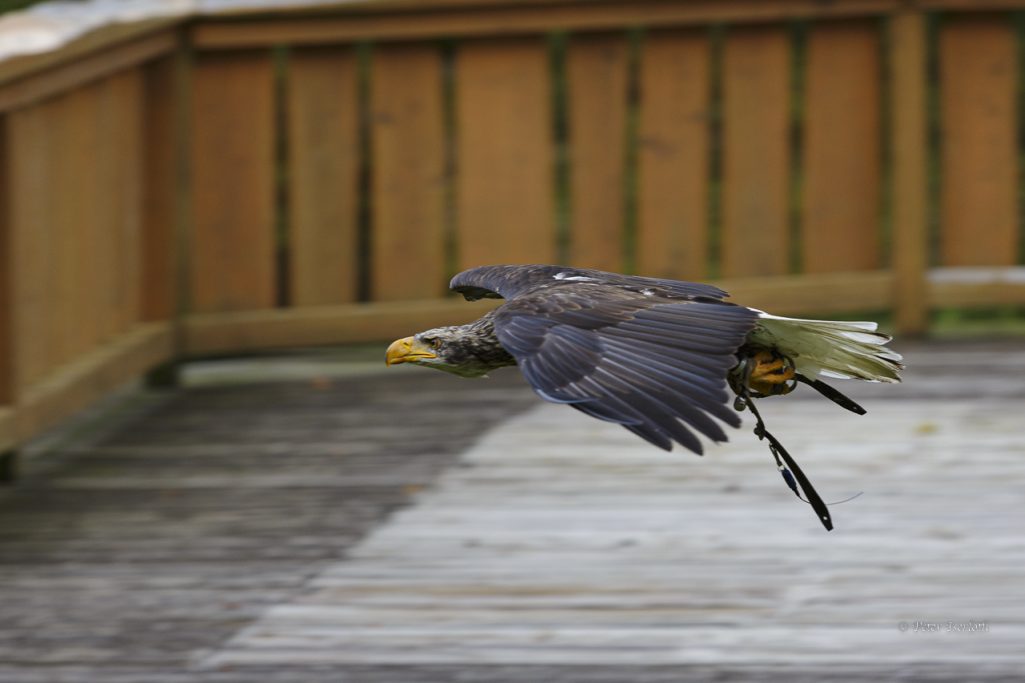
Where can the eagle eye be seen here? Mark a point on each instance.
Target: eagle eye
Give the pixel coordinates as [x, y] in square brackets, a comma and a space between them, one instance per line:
[435, 343]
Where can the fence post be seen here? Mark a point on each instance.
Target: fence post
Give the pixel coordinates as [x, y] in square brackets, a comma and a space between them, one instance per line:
[908, 126]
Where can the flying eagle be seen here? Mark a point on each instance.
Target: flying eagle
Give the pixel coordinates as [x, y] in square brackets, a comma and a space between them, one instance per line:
[657, 356]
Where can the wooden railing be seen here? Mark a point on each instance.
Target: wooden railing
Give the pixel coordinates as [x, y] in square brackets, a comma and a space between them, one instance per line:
[85, 211]
[254, 181]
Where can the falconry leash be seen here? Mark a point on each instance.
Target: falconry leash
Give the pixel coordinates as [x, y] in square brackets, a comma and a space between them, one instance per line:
[791, 472]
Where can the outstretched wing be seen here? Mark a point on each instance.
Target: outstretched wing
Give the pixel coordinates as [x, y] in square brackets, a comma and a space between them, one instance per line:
[508, 282]
[653, 364]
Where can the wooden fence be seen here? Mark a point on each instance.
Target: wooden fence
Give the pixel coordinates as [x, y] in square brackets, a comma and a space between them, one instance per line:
[244, 182]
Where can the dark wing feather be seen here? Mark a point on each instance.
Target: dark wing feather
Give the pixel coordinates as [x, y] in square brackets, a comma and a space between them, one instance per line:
[508, 282]
[655, 365]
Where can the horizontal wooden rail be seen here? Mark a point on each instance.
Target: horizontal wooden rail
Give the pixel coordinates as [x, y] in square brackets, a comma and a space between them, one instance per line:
[783, 295]
[821, 294]
[91, 377]
[31, 80]
[813, 294]
[372, 322]
[975, 287]
[427, 21]
[84, 381]
[420, 20]
[84, 46]
[321, 325]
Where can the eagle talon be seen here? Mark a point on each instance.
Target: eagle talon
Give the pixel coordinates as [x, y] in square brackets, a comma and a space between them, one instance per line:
[772, 374]
[763, 373]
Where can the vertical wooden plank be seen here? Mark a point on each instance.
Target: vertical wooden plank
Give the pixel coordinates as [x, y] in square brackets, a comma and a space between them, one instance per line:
[6, 273]
[103, 226]
[408, 163]
[597, 70]
[63, 168]
[756, 165]
[29, 143]
[323, 157]
[104, 195]
[979, 220]
[232, 190]
[73, 126]
[673, 161]
[842, 148]
[505, 193]
[907, 58]
[160, 210]
[80, 238]
[121, 137]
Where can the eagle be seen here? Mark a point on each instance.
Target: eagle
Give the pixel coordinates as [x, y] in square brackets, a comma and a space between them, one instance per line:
[660, 357]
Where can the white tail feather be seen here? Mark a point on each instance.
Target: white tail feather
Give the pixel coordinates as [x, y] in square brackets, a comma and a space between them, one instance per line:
[832, 348]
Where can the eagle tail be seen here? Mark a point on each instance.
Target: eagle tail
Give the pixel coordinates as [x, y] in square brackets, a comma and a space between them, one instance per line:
[831, 348]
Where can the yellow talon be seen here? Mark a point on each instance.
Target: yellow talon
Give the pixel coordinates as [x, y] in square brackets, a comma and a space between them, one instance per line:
[772, 374]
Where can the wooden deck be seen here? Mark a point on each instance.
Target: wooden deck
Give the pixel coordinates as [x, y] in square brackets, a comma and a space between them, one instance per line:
[366, 529]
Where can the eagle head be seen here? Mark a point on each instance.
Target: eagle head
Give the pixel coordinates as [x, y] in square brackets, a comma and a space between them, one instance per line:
[464, 350]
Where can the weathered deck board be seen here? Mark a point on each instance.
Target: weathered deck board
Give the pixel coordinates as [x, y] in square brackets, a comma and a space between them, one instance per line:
[130, 553]
[613, 553]
[222, 536]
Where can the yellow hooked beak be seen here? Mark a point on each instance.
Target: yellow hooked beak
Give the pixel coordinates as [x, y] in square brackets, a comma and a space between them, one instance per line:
[407, 350]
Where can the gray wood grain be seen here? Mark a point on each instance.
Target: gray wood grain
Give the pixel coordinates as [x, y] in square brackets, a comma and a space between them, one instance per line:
[131, 552]
[233, 534]
[560, 540]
